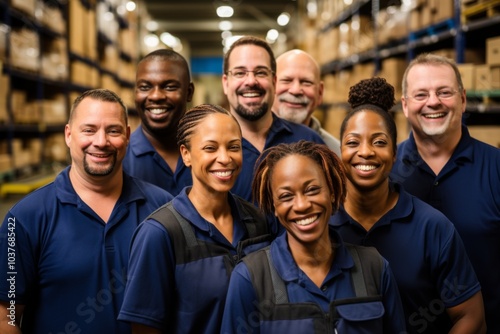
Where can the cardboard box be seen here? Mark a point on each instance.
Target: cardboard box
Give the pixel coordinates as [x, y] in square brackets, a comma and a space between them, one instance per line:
[77, 30]
[5, 162]
[493, 51]
[487, 133]
[392, 71]
[482, 77]
[467, 72]
[495, 77]
[402, 125]
[443, 10]
[4, 90]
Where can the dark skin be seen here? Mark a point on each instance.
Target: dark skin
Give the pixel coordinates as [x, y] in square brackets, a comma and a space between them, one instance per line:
[162, 91]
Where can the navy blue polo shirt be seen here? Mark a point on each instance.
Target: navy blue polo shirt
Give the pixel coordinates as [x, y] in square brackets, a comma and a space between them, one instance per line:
[281, 131]
[242, 306]
[467, 191]
[179, 298]
[143, 162]
[426, 256]
[70, 266]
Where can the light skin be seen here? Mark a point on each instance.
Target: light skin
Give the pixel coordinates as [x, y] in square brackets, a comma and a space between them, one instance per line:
[97, 137]
[303, 205]
[299, 89]
[436, 124]
[368, 156]
[215, 158]
[162, 92]
[250, 98]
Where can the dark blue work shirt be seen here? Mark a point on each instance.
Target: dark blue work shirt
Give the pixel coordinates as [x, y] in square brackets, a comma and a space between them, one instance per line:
[467, 191]
[281, 131]
[181, 297]
[70, 267]
[426, 256]
[143, 162]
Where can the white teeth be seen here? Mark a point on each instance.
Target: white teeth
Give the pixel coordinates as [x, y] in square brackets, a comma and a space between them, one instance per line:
[365, 167]
[435, 115]
[251, 94]
[157, 111]
[223, 174]
[306, 221]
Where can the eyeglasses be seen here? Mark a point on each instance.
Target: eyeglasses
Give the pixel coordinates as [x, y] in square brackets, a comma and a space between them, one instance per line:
[442, 94]
[260, 73]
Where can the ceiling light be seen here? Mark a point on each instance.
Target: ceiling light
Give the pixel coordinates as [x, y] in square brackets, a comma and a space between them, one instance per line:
[152, 25]
[283, 19]
[272, 35]
[226, 34]
[225, 11]
[225, 25]
[167, 39]
[131, 6]
[312, 9]
[151, 40]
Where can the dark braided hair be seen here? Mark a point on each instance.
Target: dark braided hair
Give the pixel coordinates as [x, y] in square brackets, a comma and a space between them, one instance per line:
[193, 117]
[377, 95]
[321, 154]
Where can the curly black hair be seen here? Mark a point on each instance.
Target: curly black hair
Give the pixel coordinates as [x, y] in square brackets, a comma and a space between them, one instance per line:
[374, 94]
[376, 91]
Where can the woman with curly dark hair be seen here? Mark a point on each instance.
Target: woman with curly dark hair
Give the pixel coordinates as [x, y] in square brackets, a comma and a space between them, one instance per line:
[308, 280]
[438, 286]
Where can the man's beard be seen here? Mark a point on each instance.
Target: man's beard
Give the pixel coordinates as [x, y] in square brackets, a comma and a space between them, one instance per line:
[252, 115]
[97, 170]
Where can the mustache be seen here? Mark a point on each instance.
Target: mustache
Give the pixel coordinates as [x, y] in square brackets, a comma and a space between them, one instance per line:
[255, 88]
[286, 97]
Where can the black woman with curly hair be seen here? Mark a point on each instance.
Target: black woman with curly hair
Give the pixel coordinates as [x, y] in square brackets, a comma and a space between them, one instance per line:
[437, 284]
[305, 282]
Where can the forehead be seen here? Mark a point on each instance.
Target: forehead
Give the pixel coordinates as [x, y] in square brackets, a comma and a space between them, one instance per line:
[92, 111]
[249, 55]
[298, 65]
[366, 121]
[303, 167]
[217, 123]
[428, 76]
[160, 67]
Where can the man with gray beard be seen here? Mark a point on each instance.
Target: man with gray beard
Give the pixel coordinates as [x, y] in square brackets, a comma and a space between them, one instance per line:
[249, 82]
[299, 91]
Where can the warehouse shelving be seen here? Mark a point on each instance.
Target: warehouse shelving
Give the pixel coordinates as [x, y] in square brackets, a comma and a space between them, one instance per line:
[461, 32]
[40, 85]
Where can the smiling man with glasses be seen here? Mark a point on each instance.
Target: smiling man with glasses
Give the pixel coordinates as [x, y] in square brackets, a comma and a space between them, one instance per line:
[249, 82]
[443, 165]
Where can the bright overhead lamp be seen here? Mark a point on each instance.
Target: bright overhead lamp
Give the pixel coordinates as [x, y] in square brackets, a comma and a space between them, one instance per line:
[225, 25]
[272, 35]
[152, 25]
[130, 6]
[225, 11]
[283, 19]
[151, 40]
[167, 39]
[226, 34]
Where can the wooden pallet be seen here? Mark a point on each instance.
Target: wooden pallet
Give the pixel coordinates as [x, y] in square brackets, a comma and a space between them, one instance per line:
[479, 10]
